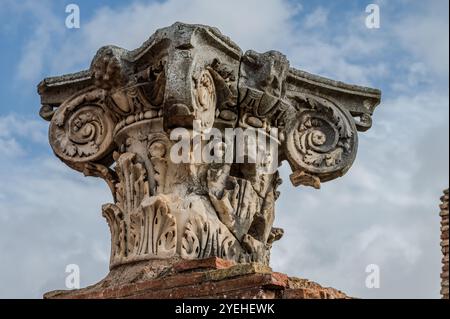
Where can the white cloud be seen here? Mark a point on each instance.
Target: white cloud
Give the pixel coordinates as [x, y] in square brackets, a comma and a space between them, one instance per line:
[425, 33]
[318, 18]
[45, 226]
[13, 125]
[10, 147]
[47, 26]
[266, 28]
[42, 227]
[14, 129]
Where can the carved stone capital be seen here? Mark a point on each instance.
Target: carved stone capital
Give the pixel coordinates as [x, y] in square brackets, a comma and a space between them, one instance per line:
[115, 121]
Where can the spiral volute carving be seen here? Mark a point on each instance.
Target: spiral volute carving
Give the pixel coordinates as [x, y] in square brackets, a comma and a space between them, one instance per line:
[81, 130]
[321, 139]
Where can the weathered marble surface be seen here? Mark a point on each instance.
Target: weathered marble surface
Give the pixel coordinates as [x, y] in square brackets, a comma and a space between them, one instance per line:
[114, 121]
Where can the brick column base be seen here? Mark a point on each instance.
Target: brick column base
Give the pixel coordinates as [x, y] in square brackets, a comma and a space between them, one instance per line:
[208, 278]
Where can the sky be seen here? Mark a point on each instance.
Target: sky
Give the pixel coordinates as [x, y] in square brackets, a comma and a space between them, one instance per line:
[383, 212]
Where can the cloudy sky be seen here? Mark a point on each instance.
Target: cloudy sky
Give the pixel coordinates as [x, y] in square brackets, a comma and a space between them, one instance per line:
[383, 212]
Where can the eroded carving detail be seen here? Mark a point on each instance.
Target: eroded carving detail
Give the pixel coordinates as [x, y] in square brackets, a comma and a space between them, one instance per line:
[133, 186]
[203, 238]
[206, 99]
[154, 229]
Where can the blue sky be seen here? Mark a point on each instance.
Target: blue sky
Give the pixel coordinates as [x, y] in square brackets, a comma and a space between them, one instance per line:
[384, 211]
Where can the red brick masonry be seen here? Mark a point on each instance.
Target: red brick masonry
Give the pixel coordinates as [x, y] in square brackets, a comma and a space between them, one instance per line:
[210, 278]
[444, 244]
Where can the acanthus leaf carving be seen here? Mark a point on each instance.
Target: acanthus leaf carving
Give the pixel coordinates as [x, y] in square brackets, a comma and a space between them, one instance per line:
[133, 186]
[149, 232]
[203, 239]
[115, 219]
[156, 235]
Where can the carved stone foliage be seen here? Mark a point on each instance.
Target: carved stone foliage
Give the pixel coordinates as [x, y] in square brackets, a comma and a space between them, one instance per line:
[154, 229]
[202, 238]
[114, 121]
[133, 185]
[142, 227]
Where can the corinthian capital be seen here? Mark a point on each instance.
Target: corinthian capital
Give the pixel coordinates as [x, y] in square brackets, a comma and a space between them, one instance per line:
[116, 121]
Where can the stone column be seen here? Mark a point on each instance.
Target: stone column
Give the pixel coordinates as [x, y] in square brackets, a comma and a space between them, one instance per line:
[444, 244]
[123, 120]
